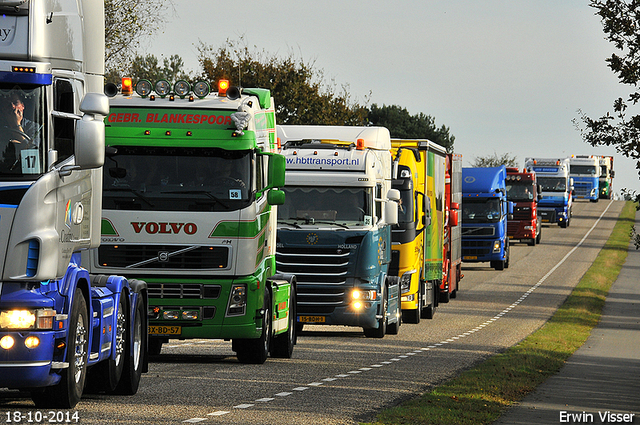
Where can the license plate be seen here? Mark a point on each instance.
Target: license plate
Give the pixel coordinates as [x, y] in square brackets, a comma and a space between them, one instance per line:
[165, 330]
[311, 319]
[545, 220]
[470, 257]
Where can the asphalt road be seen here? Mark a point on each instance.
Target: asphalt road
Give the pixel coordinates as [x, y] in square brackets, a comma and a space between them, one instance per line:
[336, 375]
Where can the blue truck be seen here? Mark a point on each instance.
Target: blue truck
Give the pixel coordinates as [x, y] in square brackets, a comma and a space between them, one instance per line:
[585, 172]
[552, 174]
[61, 328]
[334, 229]
[485, 210]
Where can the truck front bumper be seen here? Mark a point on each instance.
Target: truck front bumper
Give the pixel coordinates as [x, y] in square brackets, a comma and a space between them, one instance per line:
[22, 367]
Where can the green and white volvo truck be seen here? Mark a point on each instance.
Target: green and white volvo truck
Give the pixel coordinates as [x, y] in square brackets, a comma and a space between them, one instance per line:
[189, 205]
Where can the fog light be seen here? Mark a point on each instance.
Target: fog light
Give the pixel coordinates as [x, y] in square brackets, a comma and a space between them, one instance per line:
[32, 342]
[170, 315]
[7, 342]
[357, 305]
[408, 298]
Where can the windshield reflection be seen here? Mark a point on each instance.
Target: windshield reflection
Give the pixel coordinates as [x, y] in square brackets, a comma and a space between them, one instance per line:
[328, 205]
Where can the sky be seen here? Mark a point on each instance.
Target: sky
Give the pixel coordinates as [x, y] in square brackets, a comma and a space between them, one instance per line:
[505, 76]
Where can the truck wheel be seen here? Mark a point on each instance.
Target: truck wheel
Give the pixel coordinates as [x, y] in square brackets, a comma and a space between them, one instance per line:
[539, 237]
[105, 375]
[68, 392]
[133, 353]
[429, 311]
[508, 257]
[155, 346]
[382, 322]
[413, 316]
[498, 265]
[394, 328]
[256, 350]
[282, 345]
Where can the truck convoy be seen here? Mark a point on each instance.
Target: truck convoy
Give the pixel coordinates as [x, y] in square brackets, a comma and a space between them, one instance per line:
[552, 175]
[485, 210]
[585, 172]
[606, 177]
[522, 190]
[425, 254]
[334, 230]
[60, 327]
[189, 205]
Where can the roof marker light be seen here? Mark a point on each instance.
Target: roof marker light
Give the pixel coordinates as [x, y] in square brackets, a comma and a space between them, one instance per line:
[360, 144]
[223, 86]
[127, 86]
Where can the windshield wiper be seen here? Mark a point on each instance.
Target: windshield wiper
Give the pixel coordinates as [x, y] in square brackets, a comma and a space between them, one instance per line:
[199, 192]
[344, 226]
[128, 189]
[290, 224]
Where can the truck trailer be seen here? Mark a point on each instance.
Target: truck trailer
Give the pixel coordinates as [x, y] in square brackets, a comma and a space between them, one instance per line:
[61, 328]
[485, 211]
[189, 205]
[334, 230]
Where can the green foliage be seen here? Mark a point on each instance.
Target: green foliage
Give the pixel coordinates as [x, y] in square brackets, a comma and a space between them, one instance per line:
[301, 96]
[127, 25]
[402, 125]
[495, 160]
[620, 23]
[148, 68]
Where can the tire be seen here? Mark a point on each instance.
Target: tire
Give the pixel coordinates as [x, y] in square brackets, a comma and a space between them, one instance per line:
[282, 345]
[394, 328]
[256, 350]
[445, 297]
[507, 260]
[413, 316]
[67, 393]
[133, 356]
[539, 237]
[105, 375]
[429, 311]
[154, 346]
[532, 242]
[382, 322]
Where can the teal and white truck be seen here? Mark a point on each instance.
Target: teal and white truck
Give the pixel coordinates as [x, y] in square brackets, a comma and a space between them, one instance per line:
[61, 328]
[334, 229]
[189, 205]
[552, 174]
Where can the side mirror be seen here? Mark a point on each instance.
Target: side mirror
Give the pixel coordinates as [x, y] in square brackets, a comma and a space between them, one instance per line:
[275, 197]
[89, 148]
[391, 211]
[393, 195]
[453, 217]
[275, 174]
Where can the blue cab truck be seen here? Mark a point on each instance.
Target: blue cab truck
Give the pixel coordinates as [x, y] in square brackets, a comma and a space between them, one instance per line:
[552, 174]
[61, 328]
[334, 229]
[485, 210]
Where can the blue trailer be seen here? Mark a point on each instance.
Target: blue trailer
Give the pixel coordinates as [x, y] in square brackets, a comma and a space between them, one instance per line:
[485, 210]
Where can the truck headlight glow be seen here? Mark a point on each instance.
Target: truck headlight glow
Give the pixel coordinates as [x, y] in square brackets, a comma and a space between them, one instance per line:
[7, 342]
[359, 294]
[17, 319]
[496, 246]
[190, 314]
[32, 342]
[171, 314]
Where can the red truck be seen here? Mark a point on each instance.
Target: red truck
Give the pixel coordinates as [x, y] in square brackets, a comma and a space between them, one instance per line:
[452, 246]
[524, 192]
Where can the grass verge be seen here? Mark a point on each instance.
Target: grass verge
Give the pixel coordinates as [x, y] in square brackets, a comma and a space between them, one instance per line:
[480, 395]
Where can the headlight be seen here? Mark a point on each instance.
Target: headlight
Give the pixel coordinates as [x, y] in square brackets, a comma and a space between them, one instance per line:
[190, 314]
[405, 281]
[496, 246]
[171, 314]
[27, 319]
[359, 294]
[237, 300]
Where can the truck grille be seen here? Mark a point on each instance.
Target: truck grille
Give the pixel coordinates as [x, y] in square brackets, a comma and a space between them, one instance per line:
[477, 248]
[163, 257]
[582, 188]
[181, 290]
[321, 274]
[478, 231]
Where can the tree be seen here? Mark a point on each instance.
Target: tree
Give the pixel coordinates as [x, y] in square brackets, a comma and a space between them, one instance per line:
[620, 22]
[300, 93]
[127, 24]
[402, 125]
[148, 68]
[495, 161]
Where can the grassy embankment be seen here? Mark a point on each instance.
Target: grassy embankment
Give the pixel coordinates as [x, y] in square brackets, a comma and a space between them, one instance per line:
[480, 395]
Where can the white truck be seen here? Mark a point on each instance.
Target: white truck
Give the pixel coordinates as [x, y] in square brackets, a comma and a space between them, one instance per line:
[585, 172]
[60, 327]
[334, 229]
[552, 174]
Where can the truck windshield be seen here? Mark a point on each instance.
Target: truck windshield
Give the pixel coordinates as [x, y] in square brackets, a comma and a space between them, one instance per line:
[481, 210]
[326, 205]
[553, 184]
[176, 179]
[589, 170]
[520, 191]
[21, 131]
